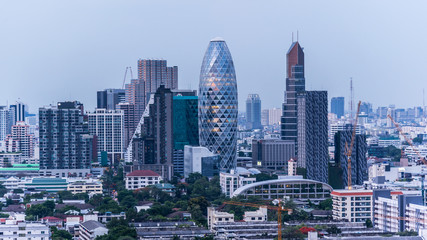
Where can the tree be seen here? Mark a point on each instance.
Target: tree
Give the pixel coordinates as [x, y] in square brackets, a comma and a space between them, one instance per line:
[264, 177]
[193, 177]
[326, 204]
[333, 230]
[60, 234]
[38, 211]
[119, 229]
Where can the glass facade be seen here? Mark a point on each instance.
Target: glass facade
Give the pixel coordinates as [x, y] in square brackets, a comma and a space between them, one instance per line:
[218, 104]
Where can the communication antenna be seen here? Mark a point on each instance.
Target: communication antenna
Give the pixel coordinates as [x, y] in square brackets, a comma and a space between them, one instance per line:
[351, 98]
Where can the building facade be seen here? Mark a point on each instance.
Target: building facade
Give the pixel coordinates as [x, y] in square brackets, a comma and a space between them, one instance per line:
[272, 153]
[20, 140]
[218, 104]
[108, 127]
[142, 178]
[313, 134]
[295, 83]
[201, 160]
[359, 166]
[109, 98]
[337, 106]
[22, 230]
[253, 111]
[65, 142]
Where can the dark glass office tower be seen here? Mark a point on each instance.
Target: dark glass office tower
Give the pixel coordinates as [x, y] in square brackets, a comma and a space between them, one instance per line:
[253, 111]
[337, 106]
[295, 83]
[109, 98]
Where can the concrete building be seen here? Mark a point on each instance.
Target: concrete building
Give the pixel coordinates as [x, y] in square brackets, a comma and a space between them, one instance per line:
[201, 160]
[313, 134]
[264, 117]
[215, 217]
[89, 230]
[272, 153]
[8, 159]
[296, 188]
[253, 112]
[65, 142]
[85, 187]
[230, 182]
[259, 215]
[274, 116]
[4, 113]
[142, 178]
[46, 184]
[357, 205]
[109, 98]
[389, 141]
[22, 230]
[292, 167]
[108, 127]
[20, 140]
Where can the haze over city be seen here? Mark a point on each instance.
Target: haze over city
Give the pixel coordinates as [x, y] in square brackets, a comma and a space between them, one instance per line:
[56, 51]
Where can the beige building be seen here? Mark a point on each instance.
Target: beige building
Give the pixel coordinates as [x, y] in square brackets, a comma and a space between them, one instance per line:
[85, 187]
[142, 178]
[259, 215]
[215, 217]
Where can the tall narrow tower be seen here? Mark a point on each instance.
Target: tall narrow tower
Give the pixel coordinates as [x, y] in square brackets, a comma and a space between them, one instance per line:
[218, 104]
[295, 83]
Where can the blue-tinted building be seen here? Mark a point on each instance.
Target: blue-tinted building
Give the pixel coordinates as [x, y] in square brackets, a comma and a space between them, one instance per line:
[253, 111]
[337, 106]
[218, 104]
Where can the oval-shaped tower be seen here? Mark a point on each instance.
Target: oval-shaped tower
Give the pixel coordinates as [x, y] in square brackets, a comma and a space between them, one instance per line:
[218, 104]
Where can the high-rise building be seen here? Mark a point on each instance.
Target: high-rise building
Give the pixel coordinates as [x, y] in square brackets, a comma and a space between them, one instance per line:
[131, 120]
[4, 113]
[20, 140]
[272, 153]
[201, 160]
[253, 111]
[185, 127]
[17, 113]
[152, 149]
[359, 168]
[295, 83]
[65, 142]
[274, 116]
[313, 134]
[109, 98]
[337, 106]
[366, 108]
[264, 117]
[218, 104]
[108, 127]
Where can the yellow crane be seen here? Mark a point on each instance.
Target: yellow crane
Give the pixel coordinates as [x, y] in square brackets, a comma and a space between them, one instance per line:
[349, 150]
[279, 210]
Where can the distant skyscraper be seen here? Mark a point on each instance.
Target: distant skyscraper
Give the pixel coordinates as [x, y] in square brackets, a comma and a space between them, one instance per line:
[17, 113]
[109, 98]
[108, 127]
[20, 140]
[264, 117]
[295, 83]
[274, 116]
[65, 142]
[218, 104]
[313, 134]
[365, 107]
[253, 111]
[3, 122]
[359, 168]
[337, 106]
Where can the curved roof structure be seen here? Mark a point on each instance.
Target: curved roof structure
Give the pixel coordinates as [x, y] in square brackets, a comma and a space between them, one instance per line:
[284, 181]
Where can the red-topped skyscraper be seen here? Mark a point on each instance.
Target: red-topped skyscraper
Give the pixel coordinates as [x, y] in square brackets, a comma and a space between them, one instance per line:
[295, 83]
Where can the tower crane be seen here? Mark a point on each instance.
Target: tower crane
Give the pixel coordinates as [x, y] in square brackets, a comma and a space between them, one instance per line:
[349, 150]
[409, 141]
[124, 78]
[279, 210]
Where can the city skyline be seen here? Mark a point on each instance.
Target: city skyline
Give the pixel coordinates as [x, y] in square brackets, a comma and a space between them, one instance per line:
[81, 50]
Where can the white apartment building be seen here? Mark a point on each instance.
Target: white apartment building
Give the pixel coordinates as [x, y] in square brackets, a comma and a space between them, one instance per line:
[142, 178]
[85, 187]
[274, 116]
[230, 182]
[340, 126]
[354, 205]
[24, 231]
[389, 141]
[215, 217]
[108, 126]
[387, 214]
[292, 167]
[416, 217]
[89, 230]
[411, 152]
[259, 215]
[376, 170]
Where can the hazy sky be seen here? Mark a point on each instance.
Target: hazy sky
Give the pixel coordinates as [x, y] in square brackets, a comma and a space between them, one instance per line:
[67, 50]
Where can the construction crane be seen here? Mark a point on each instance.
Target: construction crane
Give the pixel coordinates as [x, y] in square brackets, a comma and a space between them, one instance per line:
[409, 141]
[349, 150]
[124, 78]
[279, 210]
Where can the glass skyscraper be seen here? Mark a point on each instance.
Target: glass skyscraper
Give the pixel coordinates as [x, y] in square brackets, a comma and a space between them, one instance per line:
[337, 106]
[218, 104]
[253, 111]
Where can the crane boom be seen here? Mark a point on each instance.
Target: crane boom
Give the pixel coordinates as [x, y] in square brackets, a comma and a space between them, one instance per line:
[349, 150]
[279, 210]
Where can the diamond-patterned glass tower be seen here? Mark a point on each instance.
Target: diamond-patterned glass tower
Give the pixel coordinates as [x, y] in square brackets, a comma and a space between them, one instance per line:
[218, 104]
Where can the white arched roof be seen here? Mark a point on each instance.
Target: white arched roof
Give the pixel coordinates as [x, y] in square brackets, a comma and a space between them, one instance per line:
[240, 190]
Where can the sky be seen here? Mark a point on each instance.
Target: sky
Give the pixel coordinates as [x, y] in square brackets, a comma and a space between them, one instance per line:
[54, 51]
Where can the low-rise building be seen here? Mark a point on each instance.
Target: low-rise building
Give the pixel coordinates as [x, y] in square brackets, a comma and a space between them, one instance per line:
[357, 205]
[47, 185]
[22, 230]
[142, 178]
[259, 215]
[230, 182]
[89, 230]
[85, 187]
[215, 217]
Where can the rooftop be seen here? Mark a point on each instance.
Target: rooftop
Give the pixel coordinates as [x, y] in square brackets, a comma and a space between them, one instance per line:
[143, 173]
[91, 225]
